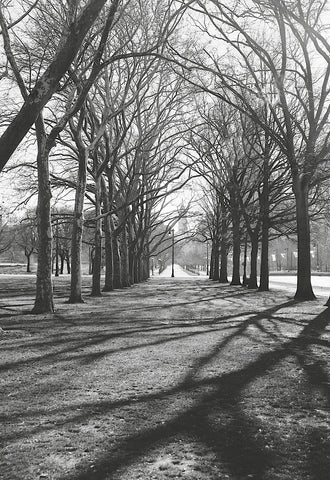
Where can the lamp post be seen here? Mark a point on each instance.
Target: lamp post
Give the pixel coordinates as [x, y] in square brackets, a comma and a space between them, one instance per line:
[207, 258]
[172, 232]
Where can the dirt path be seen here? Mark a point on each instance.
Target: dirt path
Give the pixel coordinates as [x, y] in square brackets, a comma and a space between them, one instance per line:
[173, 379]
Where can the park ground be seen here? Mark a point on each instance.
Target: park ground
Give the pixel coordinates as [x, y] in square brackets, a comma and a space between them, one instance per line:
[176, 378]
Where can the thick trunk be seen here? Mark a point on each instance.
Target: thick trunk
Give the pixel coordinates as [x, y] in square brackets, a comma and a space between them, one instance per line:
[77, 232]
[44, 292]
[253, 264]
[223, 277]
[304, 287]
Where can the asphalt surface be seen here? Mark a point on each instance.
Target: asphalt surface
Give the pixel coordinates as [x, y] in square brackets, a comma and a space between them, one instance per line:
[320, 283]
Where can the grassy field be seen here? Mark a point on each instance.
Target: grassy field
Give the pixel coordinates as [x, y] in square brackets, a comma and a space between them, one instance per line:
[170, 379]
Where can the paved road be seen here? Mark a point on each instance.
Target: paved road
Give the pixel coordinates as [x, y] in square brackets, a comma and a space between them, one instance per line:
[178, 272]
[321, 284]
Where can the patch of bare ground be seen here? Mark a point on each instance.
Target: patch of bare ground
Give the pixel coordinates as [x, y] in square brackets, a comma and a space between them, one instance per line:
[171, 379]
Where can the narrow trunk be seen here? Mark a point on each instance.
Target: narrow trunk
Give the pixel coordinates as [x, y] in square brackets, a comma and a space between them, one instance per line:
[264, 208]
[216, 260]
[304, 287]
[28, 265]
[211, 262]
[236, 280]
[117, 278]
[253, 264]
[264, 263]
[61, 264]
[108, 281]
[96, 280]
[67, 259]
[125, 276]
[245, 278]
[77, 231]
[223, 277]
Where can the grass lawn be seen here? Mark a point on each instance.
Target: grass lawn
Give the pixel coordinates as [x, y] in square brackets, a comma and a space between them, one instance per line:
[170, 379]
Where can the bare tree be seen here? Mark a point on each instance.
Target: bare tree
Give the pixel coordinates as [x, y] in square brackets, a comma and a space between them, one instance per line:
[300, 111]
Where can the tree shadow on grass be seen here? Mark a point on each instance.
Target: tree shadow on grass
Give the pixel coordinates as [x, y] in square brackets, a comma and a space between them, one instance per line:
[217, 419]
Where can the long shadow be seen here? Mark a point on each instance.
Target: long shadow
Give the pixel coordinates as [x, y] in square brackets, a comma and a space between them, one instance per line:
[235, 443]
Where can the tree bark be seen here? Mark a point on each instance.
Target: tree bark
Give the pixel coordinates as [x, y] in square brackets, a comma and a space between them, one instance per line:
[28, 265]
[216, 259]
[245, 277]
[236, 280]
[77, 230]
[108, 281]
[125, 279]
[264, 208]
[49, 80]
[96, 281]
[44, 302]
[223, 277]
[253, 263]
[117, 278]
[304, 286]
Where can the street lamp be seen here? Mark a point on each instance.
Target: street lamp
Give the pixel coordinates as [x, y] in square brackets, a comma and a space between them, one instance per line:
[172, 232]
[207, 258]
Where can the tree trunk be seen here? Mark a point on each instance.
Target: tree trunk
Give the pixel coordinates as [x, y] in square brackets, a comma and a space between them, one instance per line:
[211, 262]
[253, 264]
[264, 208]
[117, 279]
[44, 302]
[304, 286]
[96, 281]
[216, 259]
[236, 280]
[77, 231]
[108, 281]
[245, 278]
[264, 262]
[67, 259]
[28, 264]
[223, 277]
[125, 275]
[62, 259]
[48, 82]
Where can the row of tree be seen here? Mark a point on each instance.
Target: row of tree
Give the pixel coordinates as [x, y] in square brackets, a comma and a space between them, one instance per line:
[271, 141]
[125, 107]
[113, 119]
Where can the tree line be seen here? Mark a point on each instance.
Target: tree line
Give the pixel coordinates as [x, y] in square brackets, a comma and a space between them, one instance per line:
[126, 102]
